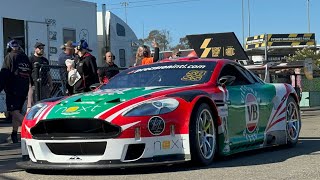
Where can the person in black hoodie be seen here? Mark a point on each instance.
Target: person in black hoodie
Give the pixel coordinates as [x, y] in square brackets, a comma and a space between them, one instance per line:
[16, 71]
[110, 69]
[86, 66]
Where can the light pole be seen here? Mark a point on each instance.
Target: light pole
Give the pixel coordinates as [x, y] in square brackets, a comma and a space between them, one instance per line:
[249, 18]
[243, 38]
[125, 4]
[308, 11]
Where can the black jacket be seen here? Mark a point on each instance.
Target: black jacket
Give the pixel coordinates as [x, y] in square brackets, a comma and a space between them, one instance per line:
[87, 68]
[16, 73]
[45, 70]
[108, 71]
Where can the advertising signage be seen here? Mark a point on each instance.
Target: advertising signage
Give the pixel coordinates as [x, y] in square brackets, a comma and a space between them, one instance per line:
[278, 40]
[217, 45]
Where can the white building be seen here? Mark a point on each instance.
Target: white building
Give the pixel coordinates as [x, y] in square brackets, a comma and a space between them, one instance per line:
[50, 22]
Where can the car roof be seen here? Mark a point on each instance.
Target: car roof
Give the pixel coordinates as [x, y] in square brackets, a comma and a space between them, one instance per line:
[188, 59]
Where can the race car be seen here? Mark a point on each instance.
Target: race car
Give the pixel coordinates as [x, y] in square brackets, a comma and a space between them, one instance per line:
[167, 112]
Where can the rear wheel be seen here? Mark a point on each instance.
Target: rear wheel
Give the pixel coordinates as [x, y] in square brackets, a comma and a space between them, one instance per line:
[293, 123]
[202, 134]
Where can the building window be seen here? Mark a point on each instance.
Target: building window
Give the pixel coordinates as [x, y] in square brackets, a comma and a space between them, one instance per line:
[120, 30]
[69, 35]
[122, 57]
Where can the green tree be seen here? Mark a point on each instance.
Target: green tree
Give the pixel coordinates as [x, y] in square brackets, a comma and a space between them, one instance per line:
[162, 37]
[183, 44]
[304, 53]
[141, 41]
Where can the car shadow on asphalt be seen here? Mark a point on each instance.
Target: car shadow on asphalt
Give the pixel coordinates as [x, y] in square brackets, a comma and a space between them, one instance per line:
[305, 146]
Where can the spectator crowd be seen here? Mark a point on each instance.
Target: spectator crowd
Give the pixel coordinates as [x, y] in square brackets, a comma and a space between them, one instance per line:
[19, 74]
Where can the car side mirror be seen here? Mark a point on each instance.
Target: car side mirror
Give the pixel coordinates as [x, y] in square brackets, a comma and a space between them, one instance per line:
[226, 80]
[94, 86]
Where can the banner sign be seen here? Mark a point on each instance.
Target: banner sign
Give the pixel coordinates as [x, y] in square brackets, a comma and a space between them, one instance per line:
[217, 45]
[293, 40]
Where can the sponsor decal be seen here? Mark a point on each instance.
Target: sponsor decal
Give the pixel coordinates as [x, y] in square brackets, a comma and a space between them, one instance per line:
[168, 145]
[176, 66]
[194, 75]
[76, 109]
[72, 109]
[156, 125]
[108, 92]
[249, 96]
[75, 158]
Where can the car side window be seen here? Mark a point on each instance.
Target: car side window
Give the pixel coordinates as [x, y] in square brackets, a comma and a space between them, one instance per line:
[231, 70]
[247, 74]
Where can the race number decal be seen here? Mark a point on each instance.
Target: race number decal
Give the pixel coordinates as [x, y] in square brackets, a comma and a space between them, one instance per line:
[194, 75]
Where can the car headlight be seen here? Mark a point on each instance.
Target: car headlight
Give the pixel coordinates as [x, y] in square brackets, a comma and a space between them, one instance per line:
[155, 107]
[35, 111]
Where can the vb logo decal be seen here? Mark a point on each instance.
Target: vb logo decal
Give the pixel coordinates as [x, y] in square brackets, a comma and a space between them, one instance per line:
[252, 113]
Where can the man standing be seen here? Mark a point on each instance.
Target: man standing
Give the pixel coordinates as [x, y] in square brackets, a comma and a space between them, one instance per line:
[67, 53]
[86, 66]
[109, 70]
[46, 81]
[16, 70]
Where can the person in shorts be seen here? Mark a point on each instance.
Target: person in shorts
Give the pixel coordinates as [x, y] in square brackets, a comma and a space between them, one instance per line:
[16, 71]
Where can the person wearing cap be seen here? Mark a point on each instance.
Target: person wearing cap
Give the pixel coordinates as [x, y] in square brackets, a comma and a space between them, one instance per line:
[86, 66]
[68, 50]
[67, 53]
[44, 74]
[16, 74]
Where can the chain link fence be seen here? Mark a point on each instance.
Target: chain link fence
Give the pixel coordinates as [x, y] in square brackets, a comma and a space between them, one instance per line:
[311, 91]
[49, 81]
[52, 81]
[3, 107]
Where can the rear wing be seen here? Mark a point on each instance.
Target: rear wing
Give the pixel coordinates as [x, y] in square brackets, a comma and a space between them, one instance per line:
[273, 66]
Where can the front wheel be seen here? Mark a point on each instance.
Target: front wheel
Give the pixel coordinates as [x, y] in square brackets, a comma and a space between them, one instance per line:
[202, 134]
[293, 123]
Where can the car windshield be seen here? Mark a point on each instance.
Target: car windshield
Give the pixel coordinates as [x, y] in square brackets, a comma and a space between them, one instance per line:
[163, 74]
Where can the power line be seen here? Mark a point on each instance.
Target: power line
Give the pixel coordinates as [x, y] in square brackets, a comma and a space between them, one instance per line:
[125, 4]
[175, 2]
[142, 1]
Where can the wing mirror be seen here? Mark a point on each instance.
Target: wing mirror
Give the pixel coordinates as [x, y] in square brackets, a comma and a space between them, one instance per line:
[226, 80]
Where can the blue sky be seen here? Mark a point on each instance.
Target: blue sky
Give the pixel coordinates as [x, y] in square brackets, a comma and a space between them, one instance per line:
[183, 17]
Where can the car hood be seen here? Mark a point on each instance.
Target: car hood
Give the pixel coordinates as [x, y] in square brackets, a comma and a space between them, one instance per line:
[89, 105]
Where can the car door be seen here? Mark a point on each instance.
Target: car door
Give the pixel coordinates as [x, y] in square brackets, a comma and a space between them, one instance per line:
[264, 94]
[244, 109]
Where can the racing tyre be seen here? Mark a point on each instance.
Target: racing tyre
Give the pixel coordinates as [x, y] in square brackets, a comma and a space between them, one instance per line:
[203, 136]
[293, 122]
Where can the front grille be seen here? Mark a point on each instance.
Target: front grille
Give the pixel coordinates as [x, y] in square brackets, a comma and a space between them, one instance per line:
[74, 129]
[85, 148]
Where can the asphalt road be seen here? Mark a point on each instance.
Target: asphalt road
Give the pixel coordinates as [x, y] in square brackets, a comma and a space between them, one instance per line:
[300, 162]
